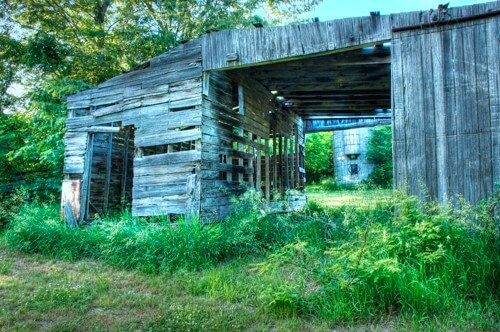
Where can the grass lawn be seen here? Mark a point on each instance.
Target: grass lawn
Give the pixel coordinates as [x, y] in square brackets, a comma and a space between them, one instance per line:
[348, 197]
[105, 290]
[39, 293]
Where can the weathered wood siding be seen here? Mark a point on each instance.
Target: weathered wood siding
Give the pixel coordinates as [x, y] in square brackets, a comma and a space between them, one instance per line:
[287, 151]
[162, 103]
[446, 108]
[240, 48]
[248, 141]
[235, 133]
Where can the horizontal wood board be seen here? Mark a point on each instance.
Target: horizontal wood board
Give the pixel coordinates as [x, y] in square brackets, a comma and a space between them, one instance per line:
[264, 45]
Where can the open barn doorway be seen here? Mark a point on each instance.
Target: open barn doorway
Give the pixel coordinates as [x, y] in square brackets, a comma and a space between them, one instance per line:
[333, 93]
[108, 188]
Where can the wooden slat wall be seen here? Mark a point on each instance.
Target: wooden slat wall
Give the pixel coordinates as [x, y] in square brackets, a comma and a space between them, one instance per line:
[236, 151]
[446, 109]
[288, 151]
[74, 152]
[233, 144]
[258, 46]
[163, 103]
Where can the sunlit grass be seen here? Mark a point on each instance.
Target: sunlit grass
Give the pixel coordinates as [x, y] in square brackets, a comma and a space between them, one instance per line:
[338, 198]
[353, 266]
[41, 293]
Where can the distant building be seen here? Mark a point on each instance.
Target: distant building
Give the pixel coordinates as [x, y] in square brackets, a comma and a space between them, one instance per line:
[349, 155]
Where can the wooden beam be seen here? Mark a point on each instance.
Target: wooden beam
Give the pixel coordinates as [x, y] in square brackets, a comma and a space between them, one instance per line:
[98, 129]
[87, 169]
[297, 158]
[344, 126]
[286, 174]
[346, 86]
[268, 171]
[107, 178]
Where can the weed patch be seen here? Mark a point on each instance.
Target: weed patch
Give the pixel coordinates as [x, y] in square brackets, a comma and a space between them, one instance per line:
[342, 264]
[5, 267]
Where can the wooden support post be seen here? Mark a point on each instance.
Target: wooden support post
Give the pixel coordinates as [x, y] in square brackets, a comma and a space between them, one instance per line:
[297, 157]
[87, 170]
[251, 161]
[258, 172]
[302, 164]
[287, 169]
[292, 158]
[280, 157]
[107, 178]
[268, 170]
[275, 161]
[229, 160]
[125, 169]
[240, 160]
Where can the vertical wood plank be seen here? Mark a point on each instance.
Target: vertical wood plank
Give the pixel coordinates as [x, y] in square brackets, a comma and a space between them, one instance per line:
[258, 170]
[297, 157]
[268, 171]
[124, 177]
[440, 107]
[429, 117]
[275, 161]
[398, 112]
[286, 174]
[483, 111]
[86, 178]
[493, 49]
[107, 179]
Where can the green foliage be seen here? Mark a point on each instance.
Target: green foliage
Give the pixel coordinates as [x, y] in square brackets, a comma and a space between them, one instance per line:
[127, 243]
[10, 140]
[34, 147]
[5, 268]
[331, 184]
[151, 247]
[44, 52]
[425, 260]
[343, 264]
[379, 151]
[319, 156]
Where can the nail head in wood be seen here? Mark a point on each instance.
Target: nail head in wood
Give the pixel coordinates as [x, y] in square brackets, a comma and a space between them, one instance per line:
[232, 57]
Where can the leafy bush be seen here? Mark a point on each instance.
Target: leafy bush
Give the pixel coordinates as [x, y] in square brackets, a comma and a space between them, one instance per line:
[425, 260]
[379, 151]
[340, 264]
[154, 246]
[319, 156]
[127, 242]
[331, 184]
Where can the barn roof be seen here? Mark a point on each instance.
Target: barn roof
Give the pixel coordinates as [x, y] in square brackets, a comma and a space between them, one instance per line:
[339, 67]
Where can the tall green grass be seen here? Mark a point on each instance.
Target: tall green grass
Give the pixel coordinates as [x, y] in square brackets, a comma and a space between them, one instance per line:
[158, 246]
[341, 264]
[425, 259]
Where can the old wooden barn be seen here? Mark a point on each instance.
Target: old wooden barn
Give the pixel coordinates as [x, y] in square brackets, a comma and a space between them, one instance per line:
[187, 130]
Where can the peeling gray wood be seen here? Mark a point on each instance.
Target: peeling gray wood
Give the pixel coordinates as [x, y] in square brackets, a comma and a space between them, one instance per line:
[444, 125]
[267, 45]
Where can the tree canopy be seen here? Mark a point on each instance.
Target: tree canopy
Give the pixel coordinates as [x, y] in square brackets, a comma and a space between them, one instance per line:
[379, 151]
[319, 156]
